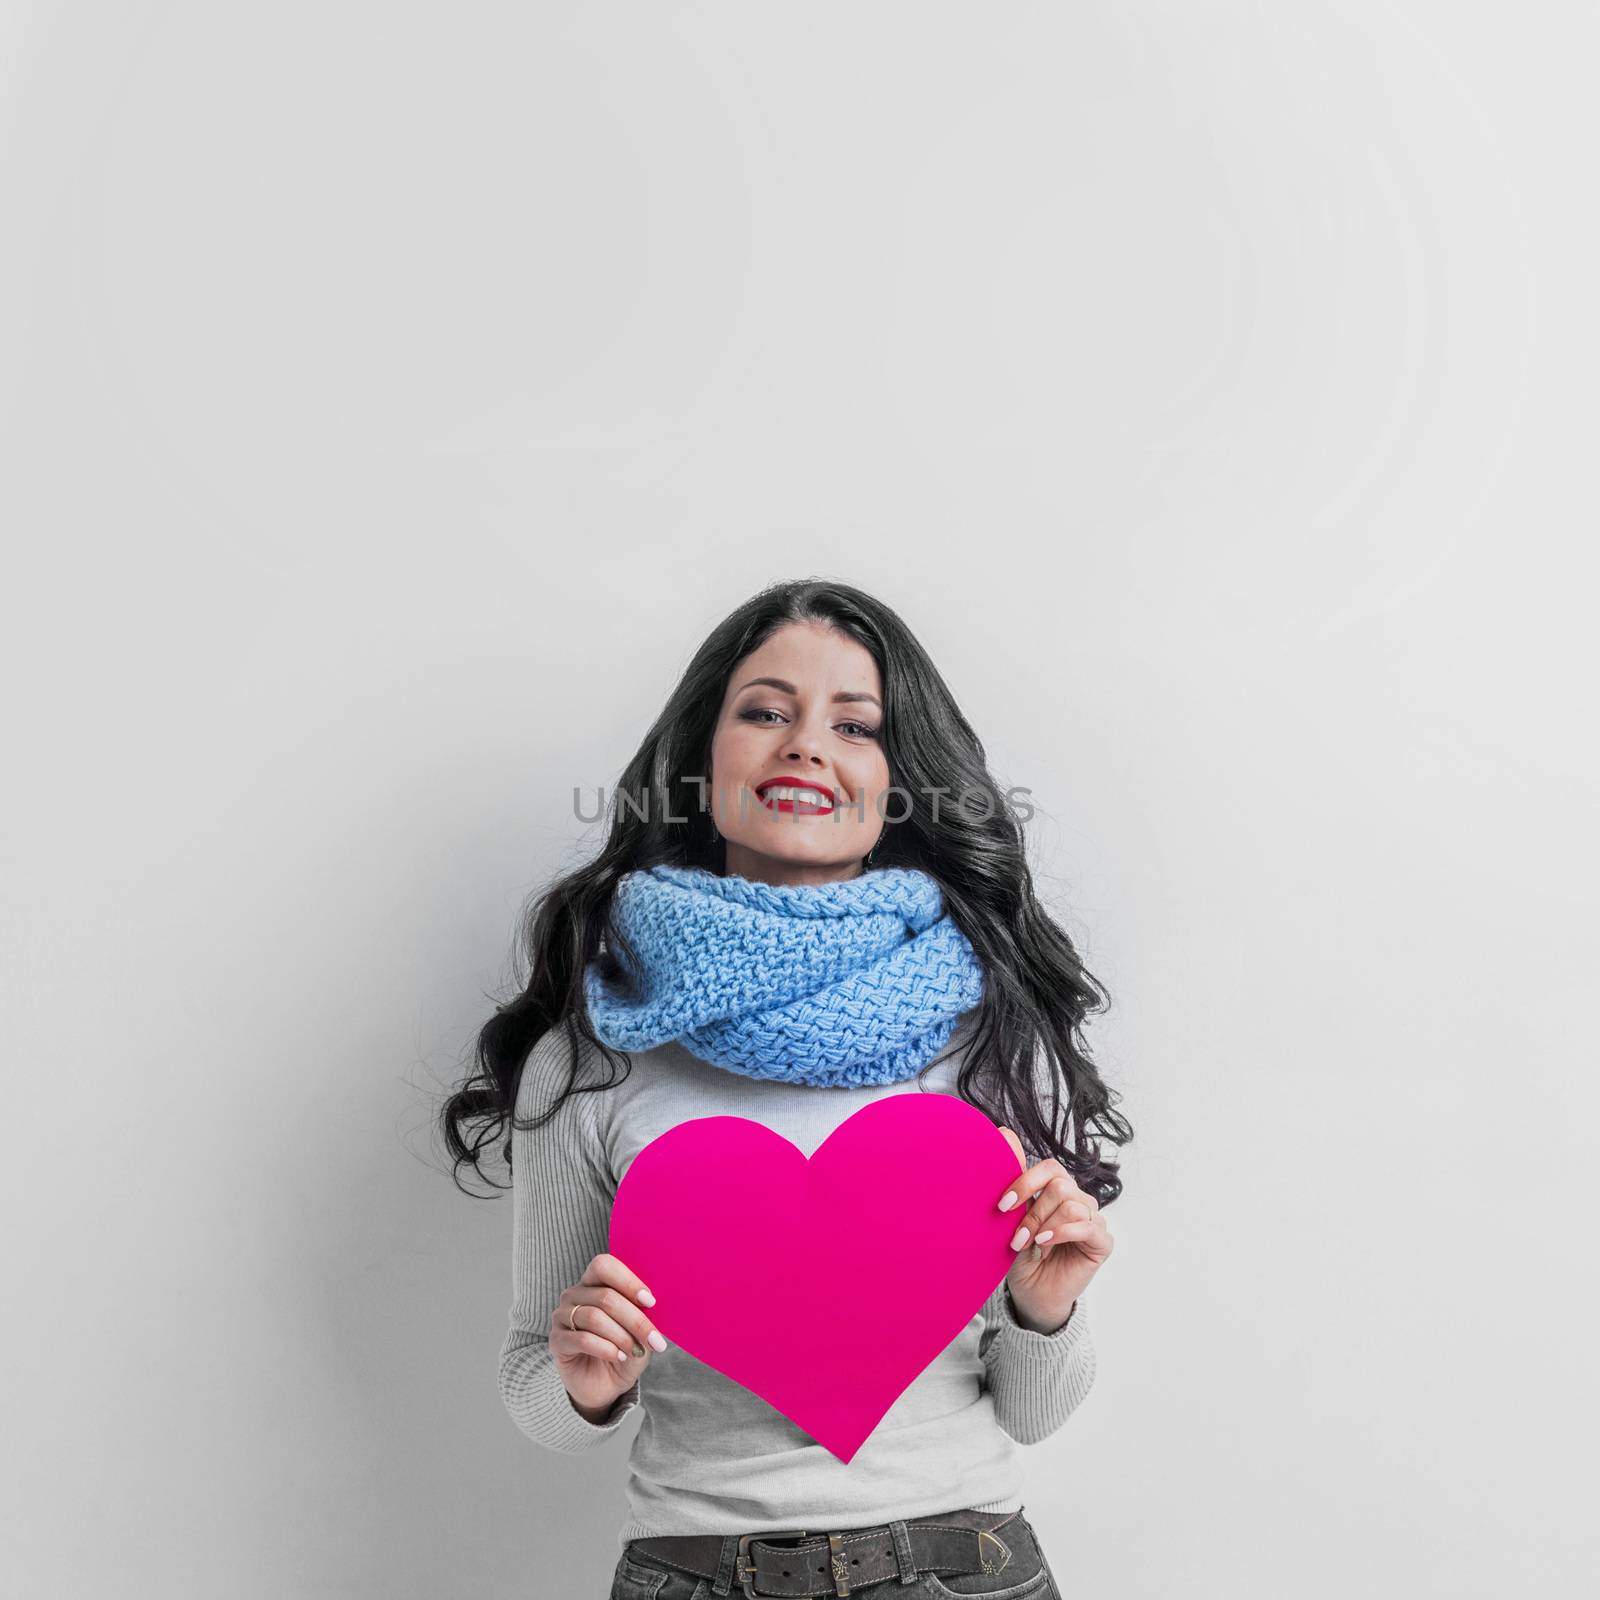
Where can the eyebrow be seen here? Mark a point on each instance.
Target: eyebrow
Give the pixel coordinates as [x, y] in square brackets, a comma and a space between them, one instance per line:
[788, 688]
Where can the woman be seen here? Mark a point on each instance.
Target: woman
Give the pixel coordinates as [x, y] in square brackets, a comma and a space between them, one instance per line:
[812, 895]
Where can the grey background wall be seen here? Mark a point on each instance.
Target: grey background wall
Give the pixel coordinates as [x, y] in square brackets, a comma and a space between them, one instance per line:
[394, 394]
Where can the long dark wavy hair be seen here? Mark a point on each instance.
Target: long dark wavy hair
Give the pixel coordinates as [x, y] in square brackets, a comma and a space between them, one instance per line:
[1037, 993]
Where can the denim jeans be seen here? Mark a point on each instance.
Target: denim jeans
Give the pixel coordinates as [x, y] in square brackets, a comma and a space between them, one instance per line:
[1024, 1575]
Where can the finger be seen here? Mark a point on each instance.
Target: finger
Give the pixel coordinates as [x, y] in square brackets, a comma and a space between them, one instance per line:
[618, 1286]
[1090, 1235]
[576, 1330]
[627, 1315]
[1077, 1228]
[1032, 1180]
[1070, 1187]
[606, 1314]
[1056, 1224]
[607, 1268]
[1058, 1206]
[1070, 1210]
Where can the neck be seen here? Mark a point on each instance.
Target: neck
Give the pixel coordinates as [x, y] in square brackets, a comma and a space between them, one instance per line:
[739, 862]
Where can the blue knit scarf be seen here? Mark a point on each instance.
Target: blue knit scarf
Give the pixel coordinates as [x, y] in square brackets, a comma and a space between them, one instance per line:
[832, 984]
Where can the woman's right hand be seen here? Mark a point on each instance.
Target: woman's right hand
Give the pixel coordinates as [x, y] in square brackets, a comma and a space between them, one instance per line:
[596, 1358]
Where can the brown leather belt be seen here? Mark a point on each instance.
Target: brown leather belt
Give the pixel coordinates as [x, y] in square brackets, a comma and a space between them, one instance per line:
[816, 1563]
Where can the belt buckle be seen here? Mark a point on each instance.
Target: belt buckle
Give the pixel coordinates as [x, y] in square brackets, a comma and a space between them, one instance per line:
[744, 1568]
[988, 1564]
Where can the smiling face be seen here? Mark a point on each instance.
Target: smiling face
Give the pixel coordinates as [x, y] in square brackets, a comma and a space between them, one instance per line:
[805, 708]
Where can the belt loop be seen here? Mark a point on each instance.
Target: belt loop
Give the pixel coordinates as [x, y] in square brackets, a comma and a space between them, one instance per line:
[906, 1561]
[723, 1581]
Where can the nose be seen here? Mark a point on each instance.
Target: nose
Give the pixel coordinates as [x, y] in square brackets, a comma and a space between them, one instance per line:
[802, 746]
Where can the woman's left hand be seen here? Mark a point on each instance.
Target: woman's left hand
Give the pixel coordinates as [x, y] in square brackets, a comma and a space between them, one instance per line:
[1066, 1241]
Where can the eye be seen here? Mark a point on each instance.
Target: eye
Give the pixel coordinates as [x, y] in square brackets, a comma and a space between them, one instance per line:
[756, 713]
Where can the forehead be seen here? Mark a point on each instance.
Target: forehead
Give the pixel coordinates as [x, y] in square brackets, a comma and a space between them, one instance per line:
[807, 652]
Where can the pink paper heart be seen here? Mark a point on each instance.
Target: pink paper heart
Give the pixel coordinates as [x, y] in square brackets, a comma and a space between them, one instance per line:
[823, 1286]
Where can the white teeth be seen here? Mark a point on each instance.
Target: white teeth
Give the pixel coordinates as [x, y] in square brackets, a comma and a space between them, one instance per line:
[781, 791]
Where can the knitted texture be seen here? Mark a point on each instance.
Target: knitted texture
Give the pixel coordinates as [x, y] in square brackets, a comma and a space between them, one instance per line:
[833, 984]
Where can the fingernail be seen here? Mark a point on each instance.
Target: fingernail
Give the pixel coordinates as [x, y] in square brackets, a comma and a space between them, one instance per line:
[1049, 1233]
[1007, 1203]
[657, 1340]
[1019, 1238]
[646, 1298]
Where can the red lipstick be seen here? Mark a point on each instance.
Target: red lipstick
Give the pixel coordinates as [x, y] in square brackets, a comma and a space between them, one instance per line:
[823, 804]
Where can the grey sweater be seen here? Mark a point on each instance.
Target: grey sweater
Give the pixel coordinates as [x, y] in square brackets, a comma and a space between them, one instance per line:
[710, 1456]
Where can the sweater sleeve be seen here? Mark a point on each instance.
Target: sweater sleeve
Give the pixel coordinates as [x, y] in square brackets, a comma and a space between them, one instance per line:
[561, 1212]
[1037, 1379]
